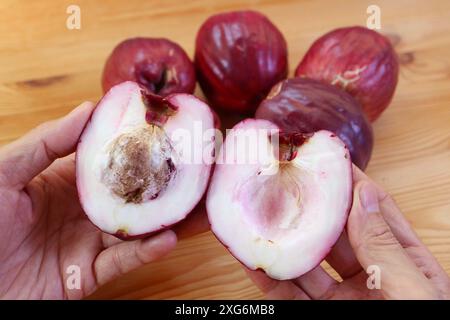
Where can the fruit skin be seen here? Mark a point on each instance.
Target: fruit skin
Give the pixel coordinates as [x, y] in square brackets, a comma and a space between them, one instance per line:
[158, 64]
[239, 56]
[358, 60]
[307, 105]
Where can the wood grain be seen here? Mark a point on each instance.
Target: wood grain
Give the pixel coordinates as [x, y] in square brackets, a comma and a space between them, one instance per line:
[46, 70]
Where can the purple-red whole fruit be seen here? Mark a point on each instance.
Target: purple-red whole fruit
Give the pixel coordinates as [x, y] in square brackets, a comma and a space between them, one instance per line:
[307, 105]
[239, 56]
[360, 61]
[280, 211]
[159, 65]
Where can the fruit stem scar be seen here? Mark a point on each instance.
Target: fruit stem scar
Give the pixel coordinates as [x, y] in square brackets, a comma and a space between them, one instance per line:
[122, 233]
[288, 144]
[158, 108]
[151, 76]
[348, 77]
[162, 81]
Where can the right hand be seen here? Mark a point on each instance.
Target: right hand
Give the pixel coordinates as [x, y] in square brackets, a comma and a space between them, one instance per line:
[379, 238]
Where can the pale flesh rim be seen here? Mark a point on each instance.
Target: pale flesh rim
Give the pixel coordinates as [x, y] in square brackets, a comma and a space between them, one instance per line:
[122, 109]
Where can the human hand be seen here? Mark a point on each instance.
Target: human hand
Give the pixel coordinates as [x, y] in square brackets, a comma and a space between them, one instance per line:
[377, 235]
[43, 229]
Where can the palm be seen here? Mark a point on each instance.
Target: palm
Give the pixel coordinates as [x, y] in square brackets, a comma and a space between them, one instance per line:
[44, 232]
[354, 288]
[45, 238]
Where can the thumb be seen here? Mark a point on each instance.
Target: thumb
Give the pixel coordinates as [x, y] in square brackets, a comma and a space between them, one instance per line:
[129, 255]
[23, 159]
[377, 249]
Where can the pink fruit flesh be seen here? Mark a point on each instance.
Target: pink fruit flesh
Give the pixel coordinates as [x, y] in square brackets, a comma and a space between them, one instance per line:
[239, 56]
[159, 65]
[282, 221]
[307, 105]
[132, 177]
[358, 60]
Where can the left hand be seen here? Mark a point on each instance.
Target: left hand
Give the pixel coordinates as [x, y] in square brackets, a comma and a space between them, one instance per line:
[43, 229]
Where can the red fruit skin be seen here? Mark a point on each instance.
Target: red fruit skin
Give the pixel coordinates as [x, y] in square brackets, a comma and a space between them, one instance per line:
[360, 61]
[159, 65]
[306, 105]
[239, 56]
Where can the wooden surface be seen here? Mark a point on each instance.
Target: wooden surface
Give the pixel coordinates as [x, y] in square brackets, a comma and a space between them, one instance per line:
[46, 70]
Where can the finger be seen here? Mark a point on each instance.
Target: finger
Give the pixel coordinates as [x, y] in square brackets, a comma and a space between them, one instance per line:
[64, 168]
[358, 174]
[391, 213]
[317, 283]
[342, 258]
[409, 240]
[23, 159]
[376, 246]
[196, 223]
[275, 289]
[109, 240]
[126, 256]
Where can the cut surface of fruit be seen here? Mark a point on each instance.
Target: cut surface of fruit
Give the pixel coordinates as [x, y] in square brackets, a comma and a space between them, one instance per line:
[283, 212]
[133, 174]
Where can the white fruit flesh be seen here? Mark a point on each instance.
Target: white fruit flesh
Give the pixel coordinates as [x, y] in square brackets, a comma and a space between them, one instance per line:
[122, 113]
[284, 221]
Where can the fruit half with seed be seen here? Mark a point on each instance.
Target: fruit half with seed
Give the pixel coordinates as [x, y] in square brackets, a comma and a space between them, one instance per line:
[143, 161]
[283, 210]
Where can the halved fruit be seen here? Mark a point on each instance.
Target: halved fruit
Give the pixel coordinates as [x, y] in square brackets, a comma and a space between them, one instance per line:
[284, 210]
[143, 161]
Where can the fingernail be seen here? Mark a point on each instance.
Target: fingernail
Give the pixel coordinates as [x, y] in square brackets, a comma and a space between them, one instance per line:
[369, 198]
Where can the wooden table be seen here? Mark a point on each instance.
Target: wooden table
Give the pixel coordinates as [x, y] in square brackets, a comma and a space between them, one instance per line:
[46, 70]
